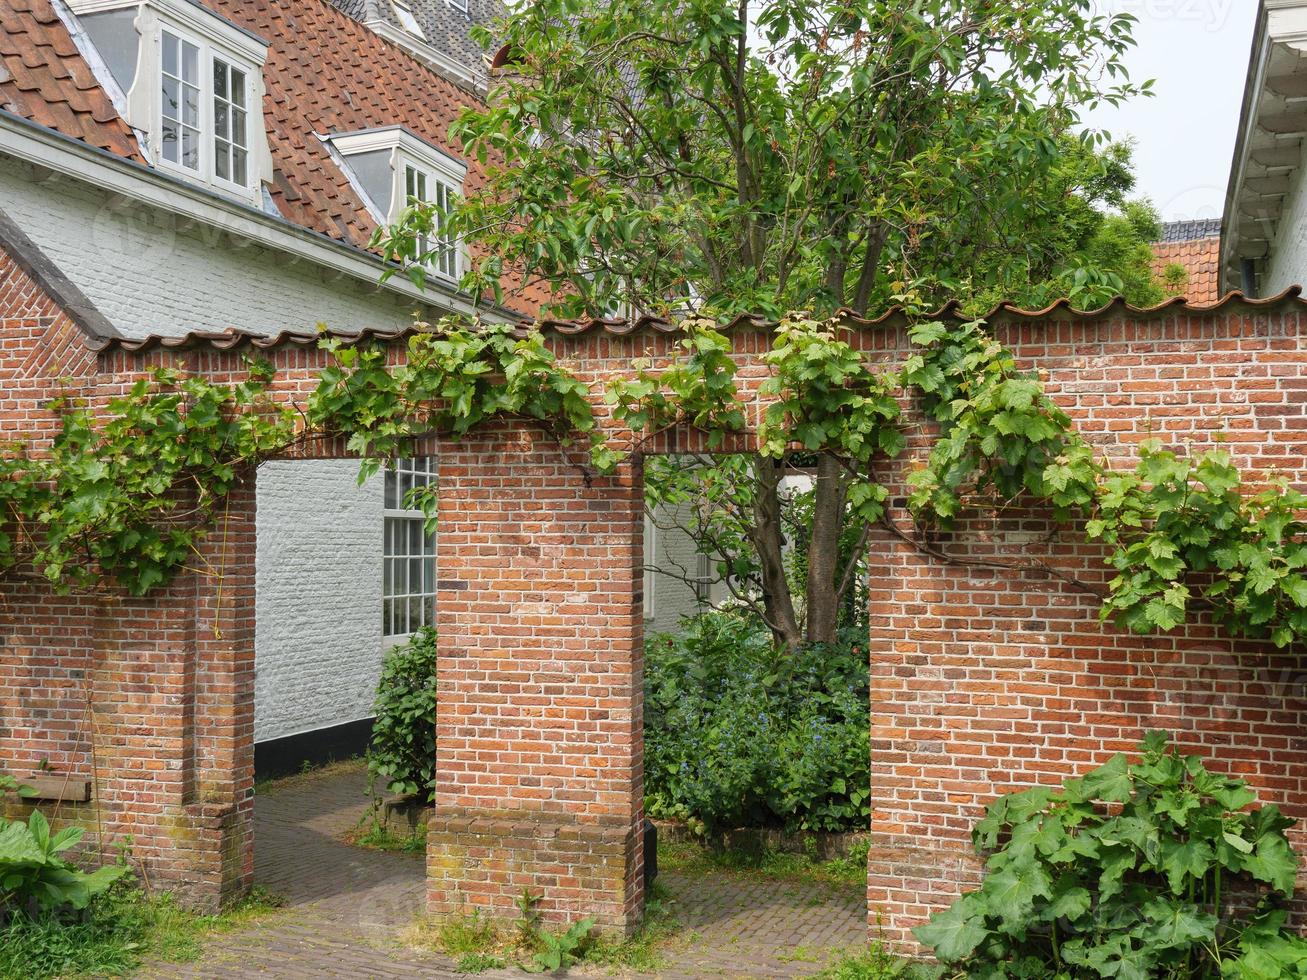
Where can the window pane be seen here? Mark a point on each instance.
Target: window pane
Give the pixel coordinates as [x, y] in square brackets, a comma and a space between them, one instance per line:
[191, 106]
[169, 147]
[191, 148]
[219, 79]
[169, 53]
[238, 87]
[220, 166]
[171, 98]
[238, 127]
[221, 120]
[190, 64]
[239, 170]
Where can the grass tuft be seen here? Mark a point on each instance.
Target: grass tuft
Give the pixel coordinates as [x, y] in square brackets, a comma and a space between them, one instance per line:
[116, 933]
[875, 963]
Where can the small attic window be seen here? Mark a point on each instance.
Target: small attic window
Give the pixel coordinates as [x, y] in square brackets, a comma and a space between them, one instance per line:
[458, 4]
[193, 81]
[404, 12]
[392, 167]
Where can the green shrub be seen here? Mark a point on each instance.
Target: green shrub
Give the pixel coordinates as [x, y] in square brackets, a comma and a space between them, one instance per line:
[35, 877]
[402, 753]
[1155, 869]
[738, 733]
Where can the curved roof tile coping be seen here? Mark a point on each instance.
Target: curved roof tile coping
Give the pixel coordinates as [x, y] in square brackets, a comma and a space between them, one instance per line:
[1060, 310]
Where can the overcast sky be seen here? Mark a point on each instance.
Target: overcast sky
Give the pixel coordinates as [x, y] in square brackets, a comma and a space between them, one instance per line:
[1197, 52]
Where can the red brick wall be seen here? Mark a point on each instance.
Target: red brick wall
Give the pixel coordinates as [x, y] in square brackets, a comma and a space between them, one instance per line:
[984, 680]
[539, 729]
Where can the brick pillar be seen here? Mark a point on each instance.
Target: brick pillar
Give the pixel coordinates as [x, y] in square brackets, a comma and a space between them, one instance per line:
[172, 702]
[539, 717]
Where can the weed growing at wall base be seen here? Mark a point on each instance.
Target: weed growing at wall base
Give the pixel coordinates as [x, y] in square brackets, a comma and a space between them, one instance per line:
[118, 931]
[1156, 868]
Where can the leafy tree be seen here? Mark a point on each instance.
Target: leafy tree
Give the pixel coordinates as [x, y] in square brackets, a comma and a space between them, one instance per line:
[1089, 240]
[677, 157]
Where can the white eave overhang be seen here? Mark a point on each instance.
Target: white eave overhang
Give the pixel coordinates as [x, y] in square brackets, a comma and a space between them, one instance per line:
[52, 152]
[423, 51]
[1269, 143]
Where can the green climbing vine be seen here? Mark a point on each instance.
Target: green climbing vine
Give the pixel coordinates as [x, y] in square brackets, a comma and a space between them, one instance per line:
[126, 500]
[123, 494]
[455, 378]
[1180, 531]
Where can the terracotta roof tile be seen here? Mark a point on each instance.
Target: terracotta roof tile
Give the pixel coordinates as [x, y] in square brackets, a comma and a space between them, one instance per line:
[327, 73]
[1058, 311]
[44, 78]
[1201, 258]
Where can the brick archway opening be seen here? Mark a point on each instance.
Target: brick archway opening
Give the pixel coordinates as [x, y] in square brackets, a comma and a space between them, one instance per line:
[982, 681]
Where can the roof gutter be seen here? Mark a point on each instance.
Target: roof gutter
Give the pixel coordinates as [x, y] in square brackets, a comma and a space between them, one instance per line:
[42, 147]
[1243, 138]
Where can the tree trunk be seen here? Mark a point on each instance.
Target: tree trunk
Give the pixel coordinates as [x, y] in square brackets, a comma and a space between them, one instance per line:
[768, 539]
[823, 599]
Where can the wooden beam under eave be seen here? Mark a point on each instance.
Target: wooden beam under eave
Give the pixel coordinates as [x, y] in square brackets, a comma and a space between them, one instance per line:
[1278, 157]
[1258, 210]
[1283, 123]
[1290, 86]
[1276, 185]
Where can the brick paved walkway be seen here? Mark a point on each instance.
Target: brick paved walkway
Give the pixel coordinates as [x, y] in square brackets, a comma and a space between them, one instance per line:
[346, 906]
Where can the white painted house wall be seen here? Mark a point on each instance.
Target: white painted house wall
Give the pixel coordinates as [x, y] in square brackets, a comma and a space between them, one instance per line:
[319, 535]
[1286, 265]
[150, 273]
[318, 643]
[668, 597]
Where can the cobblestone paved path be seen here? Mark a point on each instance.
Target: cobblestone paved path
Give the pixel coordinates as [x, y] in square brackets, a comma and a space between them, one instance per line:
[347, 906]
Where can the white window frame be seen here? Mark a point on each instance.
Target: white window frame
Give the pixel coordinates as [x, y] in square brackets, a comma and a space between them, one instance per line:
[207, 171]
[407, 151]
[703, 578]
[650, 561]
[458, 5]
[400, 476]
[404, 11]
[440, 192]
[215, 37]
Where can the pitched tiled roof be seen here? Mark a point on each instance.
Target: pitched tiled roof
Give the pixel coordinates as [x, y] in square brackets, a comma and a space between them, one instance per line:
[326, 73]
[44, 78]
[444, 26]
[1058, 311]
[1187, 231]
[1201, 259]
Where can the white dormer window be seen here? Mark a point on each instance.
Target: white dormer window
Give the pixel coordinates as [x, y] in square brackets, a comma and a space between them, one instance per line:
[458, 5]
[424, 187]
[193, 84]
[392, 168]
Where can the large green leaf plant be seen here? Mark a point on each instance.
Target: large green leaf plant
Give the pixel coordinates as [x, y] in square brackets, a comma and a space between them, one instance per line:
[1156, 868]
[36, 876]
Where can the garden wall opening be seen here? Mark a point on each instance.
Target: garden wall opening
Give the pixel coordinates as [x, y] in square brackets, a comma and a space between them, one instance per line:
[989, 667]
